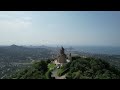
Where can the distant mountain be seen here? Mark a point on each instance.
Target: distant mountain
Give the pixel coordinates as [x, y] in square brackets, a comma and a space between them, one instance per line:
[15, 46]
[20, 52]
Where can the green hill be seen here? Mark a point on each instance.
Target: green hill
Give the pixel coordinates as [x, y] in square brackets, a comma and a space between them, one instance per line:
[89, 68]
[78, 68]
[38, 70]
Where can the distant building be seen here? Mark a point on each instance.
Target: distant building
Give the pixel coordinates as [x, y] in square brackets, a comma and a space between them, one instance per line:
[62, 58]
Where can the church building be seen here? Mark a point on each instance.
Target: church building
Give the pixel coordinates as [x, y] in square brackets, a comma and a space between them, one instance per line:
[62, 58]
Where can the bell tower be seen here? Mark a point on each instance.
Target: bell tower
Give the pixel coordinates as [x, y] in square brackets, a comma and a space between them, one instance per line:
[62, 51]
[62, 56]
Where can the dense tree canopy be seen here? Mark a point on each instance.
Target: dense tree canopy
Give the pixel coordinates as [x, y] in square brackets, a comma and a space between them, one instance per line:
[91, 68]
[39, 70]
[78, 68]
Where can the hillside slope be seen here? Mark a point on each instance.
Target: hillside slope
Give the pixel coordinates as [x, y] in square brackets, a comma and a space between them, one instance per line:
[78, 68]
[89, 68]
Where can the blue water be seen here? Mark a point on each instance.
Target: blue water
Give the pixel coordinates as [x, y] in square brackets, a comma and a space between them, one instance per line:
[99, 50]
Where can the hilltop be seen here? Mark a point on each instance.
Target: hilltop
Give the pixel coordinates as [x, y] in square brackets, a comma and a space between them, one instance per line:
[89, 68]
[78, 68]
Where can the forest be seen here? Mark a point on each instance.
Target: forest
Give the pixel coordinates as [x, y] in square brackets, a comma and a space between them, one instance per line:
[78, 68]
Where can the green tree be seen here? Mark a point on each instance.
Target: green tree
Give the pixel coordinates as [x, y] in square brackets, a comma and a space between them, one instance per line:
[41, 66]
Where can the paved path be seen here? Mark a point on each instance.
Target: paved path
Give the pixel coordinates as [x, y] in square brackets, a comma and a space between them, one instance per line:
[54, 74]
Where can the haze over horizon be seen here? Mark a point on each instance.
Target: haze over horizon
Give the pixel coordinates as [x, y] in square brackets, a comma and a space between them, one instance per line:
[89, 28]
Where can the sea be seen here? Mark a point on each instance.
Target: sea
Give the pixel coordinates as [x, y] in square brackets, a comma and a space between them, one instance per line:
[109, 50]
[98, 49]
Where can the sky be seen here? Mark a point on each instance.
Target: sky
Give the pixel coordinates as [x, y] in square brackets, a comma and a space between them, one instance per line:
[90, 28]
